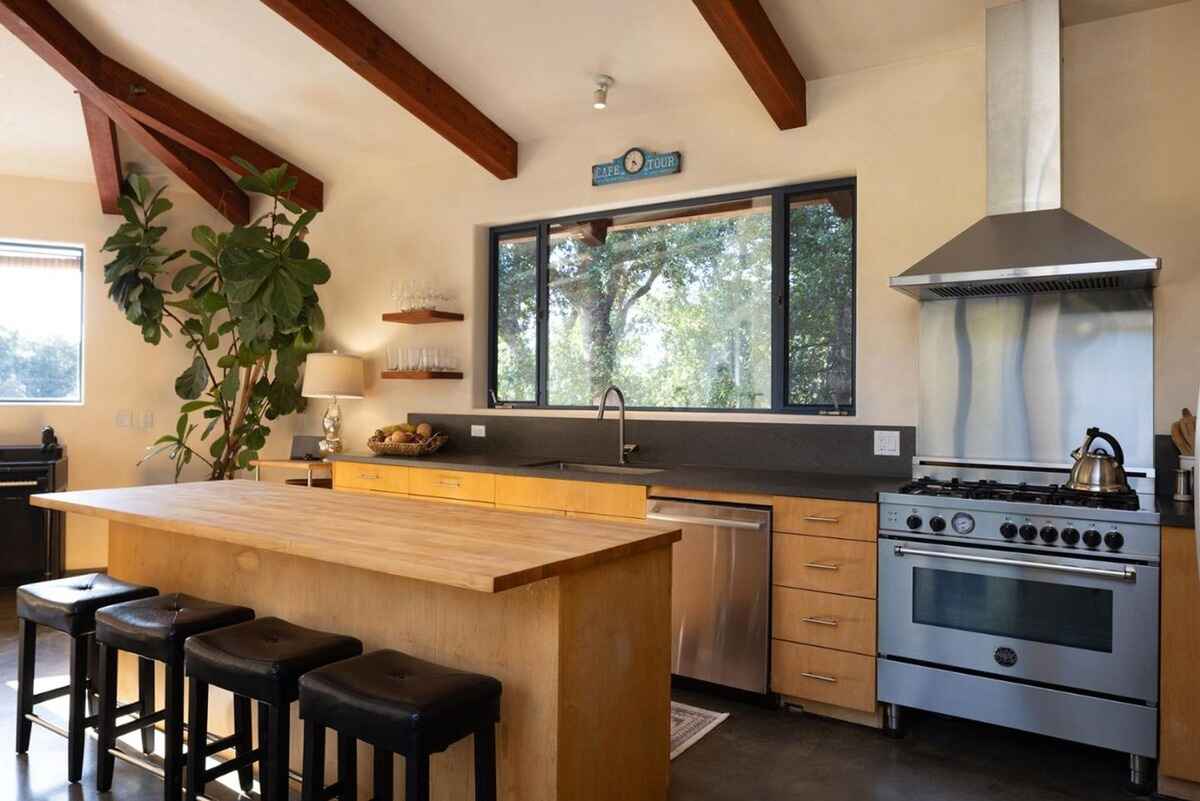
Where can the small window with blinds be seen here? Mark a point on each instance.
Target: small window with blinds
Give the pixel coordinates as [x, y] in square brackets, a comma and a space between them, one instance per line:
[41, 323]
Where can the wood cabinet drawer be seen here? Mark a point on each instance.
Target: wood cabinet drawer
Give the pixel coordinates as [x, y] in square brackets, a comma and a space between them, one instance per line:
[823, 619]
[842, 519]
[459, 485]
[820, 674]
[376, 478]
[845, 567]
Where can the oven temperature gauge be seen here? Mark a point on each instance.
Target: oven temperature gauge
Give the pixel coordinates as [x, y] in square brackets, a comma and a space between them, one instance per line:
[963, 523]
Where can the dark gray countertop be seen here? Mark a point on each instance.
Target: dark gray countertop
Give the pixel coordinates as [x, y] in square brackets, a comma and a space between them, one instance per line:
[830, 486]
[1177, 514]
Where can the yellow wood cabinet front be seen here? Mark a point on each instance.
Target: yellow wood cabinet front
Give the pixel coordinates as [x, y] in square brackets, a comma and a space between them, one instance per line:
[820, 518]
[584, 497]
[1179, 708]
[823, 619]
[844, 567]
[369, 477]
[456, 485]
[822, 674]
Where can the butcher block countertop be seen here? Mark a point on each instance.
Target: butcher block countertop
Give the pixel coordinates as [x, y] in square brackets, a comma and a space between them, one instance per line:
[473, 548]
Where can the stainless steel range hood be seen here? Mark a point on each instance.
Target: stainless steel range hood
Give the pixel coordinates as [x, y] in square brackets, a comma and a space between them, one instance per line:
[1028, 243]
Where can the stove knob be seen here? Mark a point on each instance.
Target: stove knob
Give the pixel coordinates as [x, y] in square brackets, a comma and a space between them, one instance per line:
[1091, 538]
[1114, 540]
[1008, 530]
[938, 524]
[914, 522]
[1028, 533]
[1070, 536]
[1048, 534]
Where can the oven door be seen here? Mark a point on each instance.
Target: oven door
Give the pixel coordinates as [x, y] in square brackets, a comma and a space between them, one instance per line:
[1077, 623]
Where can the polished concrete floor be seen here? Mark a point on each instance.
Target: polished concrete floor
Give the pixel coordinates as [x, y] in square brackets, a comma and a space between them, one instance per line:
[756, 755]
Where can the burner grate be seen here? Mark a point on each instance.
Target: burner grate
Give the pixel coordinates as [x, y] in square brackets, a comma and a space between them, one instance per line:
[1046, 494]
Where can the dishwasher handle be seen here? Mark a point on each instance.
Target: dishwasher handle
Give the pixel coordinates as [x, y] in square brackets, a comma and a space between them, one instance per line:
[706, 521]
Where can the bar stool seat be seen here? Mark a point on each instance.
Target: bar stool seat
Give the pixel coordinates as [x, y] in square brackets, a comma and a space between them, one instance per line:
[398, 704]
[264, 660]
[69, 604]
[156, 627]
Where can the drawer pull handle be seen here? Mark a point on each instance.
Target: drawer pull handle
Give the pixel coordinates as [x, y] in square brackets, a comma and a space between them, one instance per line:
[369, 476]
[819, 677]
[822, 566]
[450, 482]
[822, 519]
[18, 483]
[821, 621]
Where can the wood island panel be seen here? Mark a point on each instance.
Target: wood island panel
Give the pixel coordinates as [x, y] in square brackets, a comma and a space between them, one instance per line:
[487, 550]
[1179, 712]
[583, 657]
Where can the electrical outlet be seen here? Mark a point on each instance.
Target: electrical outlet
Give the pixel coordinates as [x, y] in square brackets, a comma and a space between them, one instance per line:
[887, 443]
[147, 420]
[124, 418]
[478, 431]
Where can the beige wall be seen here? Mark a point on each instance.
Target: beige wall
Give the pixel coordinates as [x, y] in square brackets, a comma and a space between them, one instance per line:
[912, 133]
[120, 370]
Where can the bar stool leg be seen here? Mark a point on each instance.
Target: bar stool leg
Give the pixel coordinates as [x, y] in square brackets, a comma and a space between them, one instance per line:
[264, 737]
[416, 777]
[93, 675]
[173, 753]
[146, 697]
[26, 652]
[275, 766]
[485, 763]
[347, 768]
[313, 770]
[242, 727]
[197, 737]
[75, 718]
[383, 775]
[107, 724]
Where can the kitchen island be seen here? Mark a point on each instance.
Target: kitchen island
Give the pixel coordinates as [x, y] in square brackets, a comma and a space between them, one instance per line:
[572, 616]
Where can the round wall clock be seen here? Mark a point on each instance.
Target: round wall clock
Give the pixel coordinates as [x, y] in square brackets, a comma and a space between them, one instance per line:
[634, 160]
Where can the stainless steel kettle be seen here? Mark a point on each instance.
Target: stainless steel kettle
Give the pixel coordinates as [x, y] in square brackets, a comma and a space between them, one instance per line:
[1096, 470]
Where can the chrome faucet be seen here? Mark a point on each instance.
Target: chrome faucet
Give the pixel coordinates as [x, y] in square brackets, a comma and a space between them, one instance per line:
[625, 449]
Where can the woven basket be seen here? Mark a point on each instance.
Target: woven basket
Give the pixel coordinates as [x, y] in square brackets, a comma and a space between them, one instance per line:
[423, 448]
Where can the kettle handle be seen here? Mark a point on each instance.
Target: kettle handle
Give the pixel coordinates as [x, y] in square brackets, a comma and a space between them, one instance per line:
[1095, 433]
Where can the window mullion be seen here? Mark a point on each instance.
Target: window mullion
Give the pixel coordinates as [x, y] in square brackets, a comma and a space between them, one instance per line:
[543, 314]
[779, 299]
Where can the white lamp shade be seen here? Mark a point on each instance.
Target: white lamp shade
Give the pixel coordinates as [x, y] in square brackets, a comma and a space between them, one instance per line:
[328, 375]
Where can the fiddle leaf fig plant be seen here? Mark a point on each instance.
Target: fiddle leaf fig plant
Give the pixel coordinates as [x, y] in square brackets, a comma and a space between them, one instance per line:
[244, 301]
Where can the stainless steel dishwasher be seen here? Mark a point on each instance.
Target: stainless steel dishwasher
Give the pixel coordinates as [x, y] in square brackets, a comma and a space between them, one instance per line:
[720, 592]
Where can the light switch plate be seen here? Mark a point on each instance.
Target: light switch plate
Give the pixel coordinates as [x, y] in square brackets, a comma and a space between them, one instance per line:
[887, 443]
[147, 420]
[124, 418]
[478, 431]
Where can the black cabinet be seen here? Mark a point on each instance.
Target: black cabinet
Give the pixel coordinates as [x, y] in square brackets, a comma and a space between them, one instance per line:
[31, 538]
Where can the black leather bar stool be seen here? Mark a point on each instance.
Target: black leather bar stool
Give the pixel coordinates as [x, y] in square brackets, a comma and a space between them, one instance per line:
[68, 605]
[155, 629]
[262, 660]
[398, 704]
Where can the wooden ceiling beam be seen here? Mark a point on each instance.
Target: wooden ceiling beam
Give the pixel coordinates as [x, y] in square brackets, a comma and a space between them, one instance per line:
[48, 34]
[106, 155]
[746, 32]
[364, 47]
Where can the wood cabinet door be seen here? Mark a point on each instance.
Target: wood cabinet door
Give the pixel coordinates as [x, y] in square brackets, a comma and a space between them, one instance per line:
[823, 619]
[531, 493]
[820, 674]
[614, 500]
[1179, 707]
[457, 485]
[369, 477]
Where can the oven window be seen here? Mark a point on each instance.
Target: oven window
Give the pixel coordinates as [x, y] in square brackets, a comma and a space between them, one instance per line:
[1036, 611]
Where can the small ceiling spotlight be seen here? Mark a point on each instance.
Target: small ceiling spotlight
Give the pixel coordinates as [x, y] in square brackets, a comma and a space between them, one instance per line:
[600, 96]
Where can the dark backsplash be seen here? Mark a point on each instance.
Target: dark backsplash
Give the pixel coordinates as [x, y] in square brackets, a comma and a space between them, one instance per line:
[819, 448]
[1166, 462]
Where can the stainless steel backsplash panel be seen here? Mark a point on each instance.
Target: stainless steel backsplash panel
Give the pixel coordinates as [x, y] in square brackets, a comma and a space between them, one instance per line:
[1019, 379]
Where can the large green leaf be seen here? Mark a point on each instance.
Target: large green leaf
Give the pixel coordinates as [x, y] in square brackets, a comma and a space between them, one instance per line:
[308, 271]
[185, 276]
[192, 381]
[286, 299]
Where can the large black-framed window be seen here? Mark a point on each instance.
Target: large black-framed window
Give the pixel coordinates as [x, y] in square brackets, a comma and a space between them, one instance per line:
[740, 302]
[41, 323]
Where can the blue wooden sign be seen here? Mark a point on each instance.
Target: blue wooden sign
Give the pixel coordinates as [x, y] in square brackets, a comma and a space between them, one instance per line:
[634, 164]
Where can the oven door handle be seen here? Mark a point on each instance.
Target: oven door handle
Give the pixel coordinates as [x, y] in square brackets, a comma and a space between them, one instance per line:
[1124, 574]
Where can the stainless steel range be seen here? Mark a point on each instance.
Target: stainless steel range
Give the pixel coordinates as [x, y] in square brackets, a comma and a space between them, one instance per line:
[1025, 605]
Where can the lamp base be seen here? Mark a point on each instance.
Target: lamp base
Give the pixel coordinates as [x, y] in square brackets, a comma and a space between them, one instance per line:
[331, 423]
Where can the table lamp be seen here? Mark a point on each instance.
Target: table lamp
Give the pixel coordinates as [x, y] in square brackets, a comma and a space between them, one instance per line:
[332, 375]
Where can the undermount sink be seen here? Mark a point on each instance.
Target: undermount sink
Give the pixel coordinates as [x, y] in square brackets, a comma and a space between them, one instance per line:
[582, 467]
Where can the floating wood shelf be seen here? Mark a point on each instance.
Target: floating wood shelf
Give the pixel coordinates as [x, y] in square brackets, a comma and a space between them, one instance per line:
[422, 317]
[417, 375]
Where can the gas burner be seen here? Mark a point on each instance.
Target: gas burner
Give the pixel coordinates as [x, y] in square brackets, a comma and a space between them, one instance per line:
[1044, 494]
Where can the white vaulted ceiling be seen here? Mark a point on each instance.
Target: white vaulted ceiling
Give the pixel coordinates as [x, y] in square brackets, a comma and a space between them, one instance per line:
[527, 64]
